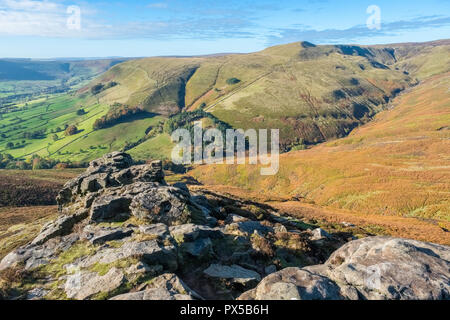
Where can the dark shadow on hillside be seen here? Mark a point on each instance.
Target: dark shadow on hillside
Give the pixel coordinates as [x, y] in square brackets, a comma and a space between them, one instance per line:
[138, 116]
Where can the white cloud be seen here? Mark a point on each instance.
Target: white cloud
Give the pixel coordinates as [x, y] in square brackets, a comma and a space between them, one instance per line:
[30, 5]
[49, 19]
[33, 18]
[158, 5]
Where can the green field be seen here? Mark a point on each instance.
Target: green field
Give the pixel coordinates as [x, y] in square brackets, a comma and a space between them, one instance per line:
[87, 144]
[25, 79]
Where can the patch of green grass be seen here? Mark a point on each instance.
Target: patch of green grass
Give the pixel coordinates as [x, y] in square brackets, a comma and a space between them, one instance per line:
[57, 268]
[159, 147]
[102, 268]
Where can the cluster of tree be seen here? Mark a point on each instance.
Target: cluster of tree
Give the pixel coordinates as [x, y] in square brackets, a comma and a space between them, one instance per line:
[58, 129]
[186, 120]
[118, 113]
[36, 163]
[102, 87]
[232, 81]
[11, 145]
[10, 100]
[37, 134]
[5, 159]
[71, 130]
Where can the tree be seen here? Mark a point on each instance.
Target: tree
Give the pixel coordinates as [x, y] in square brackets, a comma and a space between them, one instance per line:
[71, 130]
[61, 165]
[118, 113]
[37, 163]
[97, 89]
[22, 165]
[10, 145]
[80, 112]
[232, 81]
[55, 137]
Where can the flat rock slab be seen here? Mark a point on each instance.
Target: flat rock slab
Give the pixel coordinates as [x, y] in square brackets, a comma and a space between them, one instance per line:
[296, 284]
[234, 273]
[159, 230]
[149, 251]
[191, 232]
[152, 294]
[60, 227]
[83, 285]
[34, 256]
[164, 287]
[201, 248]
[101, 235]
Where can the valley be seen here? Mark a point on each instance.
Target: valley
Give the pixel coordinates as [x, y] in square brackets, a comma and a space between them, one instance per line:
[313, 94]
[395, 166]
[365, 135]
[391, 162]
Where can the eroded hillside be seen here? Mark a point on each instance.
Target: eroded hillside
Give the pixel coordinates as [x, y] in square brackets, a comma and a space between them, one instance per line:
[397, 165]
[312, 93]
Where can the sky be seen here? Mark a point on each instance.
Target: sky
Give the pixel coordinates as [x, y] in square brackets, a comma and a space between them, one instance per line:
[138, 28]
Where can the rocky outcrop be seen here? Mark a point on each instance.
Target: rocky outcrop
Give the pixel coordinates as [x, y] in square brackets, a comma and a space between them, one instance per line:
[61, 226]
[165, 287]
[295, 284]
[370, 268]
[84, 285]
[235, 274]
[123, 233]
[112, 170]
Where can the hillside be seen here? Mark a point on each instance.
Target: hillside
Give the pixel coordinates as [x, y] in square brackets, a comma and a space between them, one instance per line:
[311, 93]
[397, 165]
[22, 79]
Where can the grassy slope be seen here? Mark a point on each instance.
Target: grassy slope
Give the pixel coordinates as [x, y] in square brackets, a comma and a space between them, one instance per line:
[29, 190]
[397, 165]
[18, 226]
[311, 93]
[57, 112]
[423, 60]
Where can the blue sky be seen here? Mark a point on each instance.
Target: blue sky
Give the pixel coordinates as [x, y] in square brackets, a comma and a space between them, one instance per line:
[40, 29]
